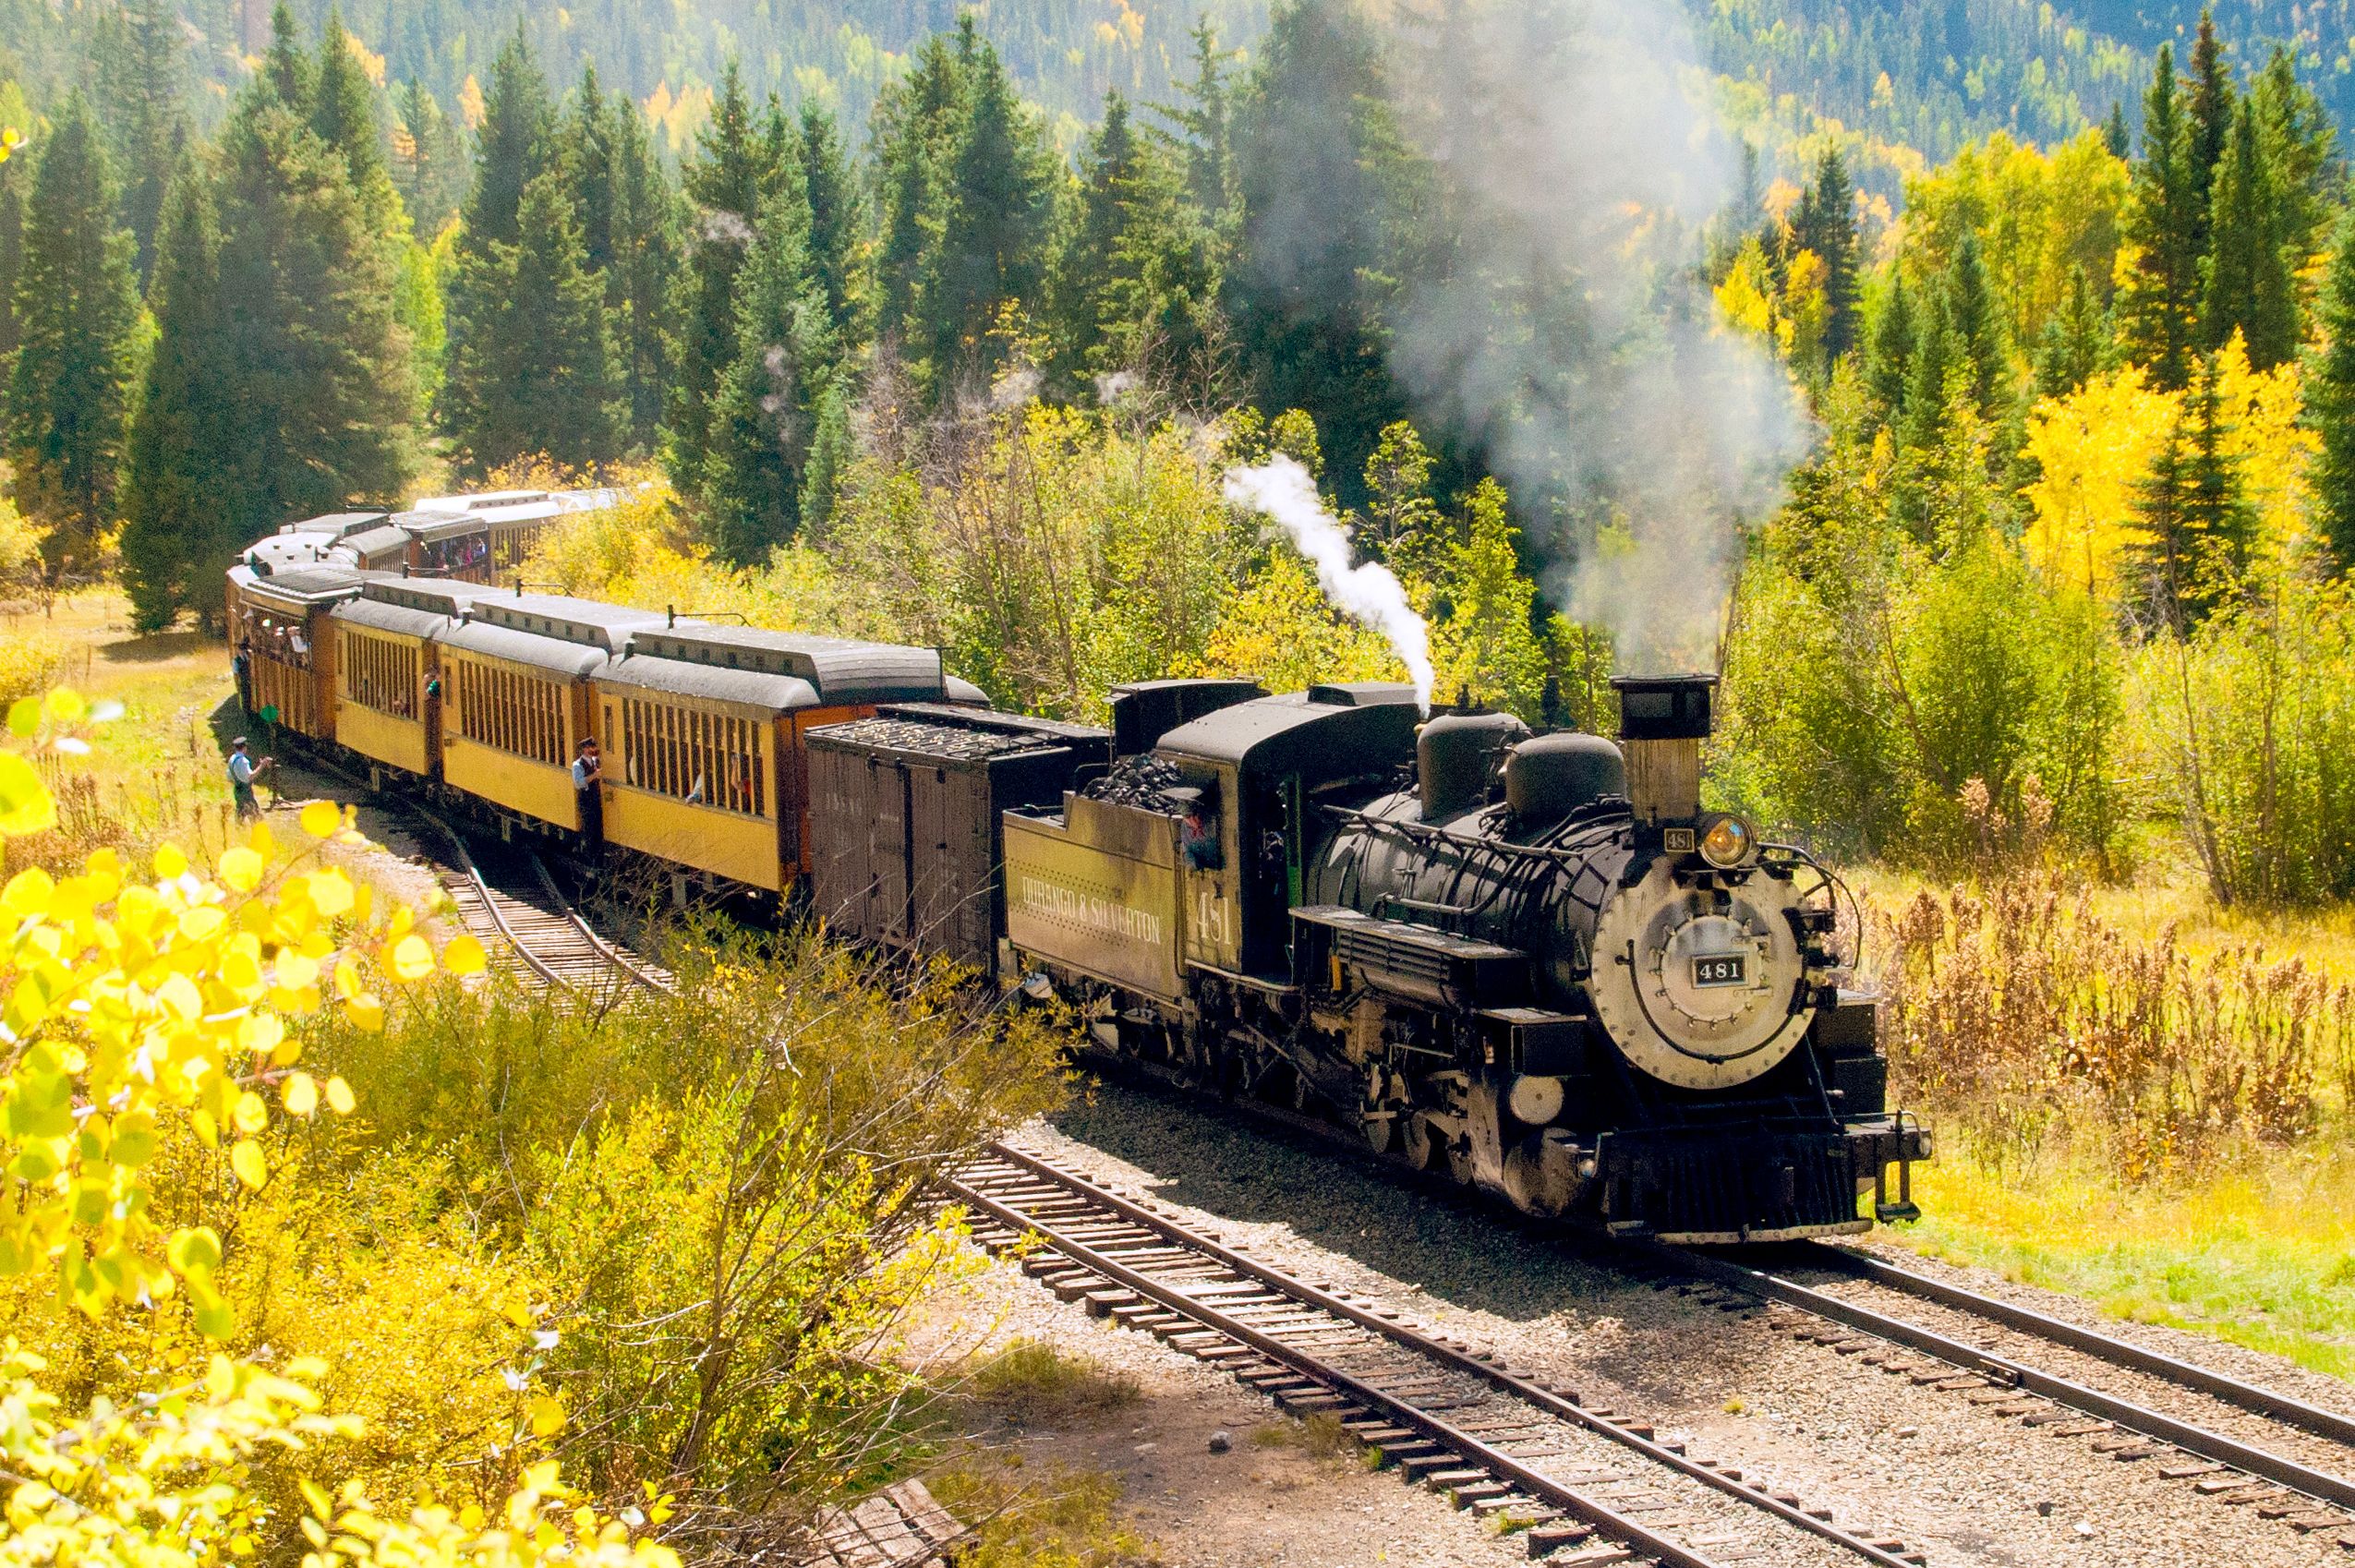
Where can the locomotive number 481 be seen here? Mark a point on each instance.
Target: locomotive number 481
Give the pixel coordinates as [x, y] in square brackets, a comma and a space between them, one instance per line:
[1721, 969]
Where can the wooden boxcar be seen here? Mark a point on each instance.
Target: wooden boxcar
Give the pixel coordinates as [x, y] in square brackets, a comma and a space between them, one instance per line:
[282, 630]
[905, 812]
[516, 698]
[387, 656]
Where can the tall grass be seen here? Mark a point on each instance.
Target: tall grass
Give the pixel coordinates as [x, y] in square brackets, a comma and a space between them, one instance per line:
[2022, 1019]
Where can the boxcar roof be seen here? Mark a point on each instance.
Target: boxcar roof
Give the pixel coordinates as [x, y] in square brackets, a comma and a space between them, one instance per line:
[337, 523]
[446, 596]
[432, 525]
[300, 589]
[771, 694]
[368, 541]
[606, 626]
[553, 655]
[378, 616]
[842, 668]
[1332, 731]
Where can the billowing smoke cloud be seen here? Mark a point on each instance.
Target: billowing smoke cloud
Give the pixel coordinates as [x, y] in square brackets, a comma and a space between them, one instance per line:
[1561, 323]
[1366, 591]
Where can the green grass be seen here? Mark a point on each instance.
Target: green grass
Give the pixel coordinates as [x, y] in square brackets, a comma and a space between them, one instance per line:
[2262, 1255]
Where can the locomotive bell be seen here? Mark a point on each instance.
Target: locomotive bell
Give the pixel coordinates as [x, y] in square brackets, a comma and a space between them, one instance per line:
[1662, 720]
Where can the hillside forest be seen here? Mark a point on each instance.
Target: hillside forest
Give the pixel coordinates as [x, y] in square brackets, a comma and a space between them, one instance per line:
[1973, 390]
[2065, 525]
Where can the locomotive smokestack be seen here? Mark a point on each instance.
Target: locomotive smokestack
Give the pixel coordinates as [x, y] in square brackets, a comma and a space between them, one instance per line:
[1662, 720]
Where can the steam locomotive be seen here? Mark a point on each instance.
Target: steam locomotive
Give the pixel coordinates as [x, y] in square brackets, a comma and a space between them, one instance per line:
[1530, 962]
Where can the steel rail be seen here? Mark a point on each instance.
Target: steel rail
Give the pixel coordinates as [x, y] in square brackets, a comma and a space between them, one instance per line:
[1496, 1461]
[622, 962]
[2252, 1397]
[2123, 1412]
[1523, 1388]
[483, 890]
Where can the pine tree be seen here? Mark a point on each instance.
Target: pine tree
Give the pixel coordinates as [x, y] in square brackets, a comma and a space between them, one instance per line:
[999, 227]
[534, 375]
[12, 261]
[643, 273]
[142, 86]
[2164, 221]
[321, 367]
[2299, 144]
[771, 397]
[1936, 353]
[1207, 120]
[342, 109]
[1889, 365]
[2194, 526]
[1968, 306]
[723, 190]
[286, 73]
[511, 147]
[1317, 157]
[2247, 283]
[2076, 341]
[2330, 403]
[1825, 223]
[2114, 136]
[179, 466]
[914, 130]
[586, 153]
[1137, 279]
[77, 307]
[429, 158]
[831, 191]
[2208, 110]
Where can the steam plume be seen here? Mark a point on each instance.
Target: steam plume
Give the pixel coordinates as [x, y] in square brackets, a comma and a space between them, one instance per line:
[1365, 591]
[1560, 321]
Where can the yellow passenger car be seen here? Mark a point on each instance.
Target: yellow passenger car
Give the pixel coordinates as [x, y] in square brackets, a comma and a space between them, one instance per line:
[516, 698]
[282, 636]
[387, 661]
[702, 727]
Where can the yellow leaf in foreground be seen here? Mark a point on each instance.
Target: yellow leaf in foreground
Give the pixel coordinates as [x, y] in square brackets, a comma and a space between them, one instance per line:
[412, 959]
[463, 955]
[241, 869]
[321, 819]
[246, 1161]
[339, 1097]
[548, 1415]
[301, 1094]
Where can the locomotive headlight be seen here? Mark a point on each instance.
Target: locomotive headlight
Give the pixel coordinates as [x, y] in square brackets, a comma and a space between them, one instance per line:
[1727, 843]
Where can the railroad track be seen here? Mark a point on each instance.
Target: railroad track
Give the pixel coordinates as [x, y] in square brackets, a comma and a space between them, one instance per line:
[2240, 1442]
[1500, 1440]
[1494, 1439]
[528, 917]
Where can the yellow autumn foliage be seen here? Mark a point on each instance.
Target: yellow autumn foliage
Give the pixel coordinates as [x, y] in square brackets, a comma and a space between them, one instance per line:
[148, 1012]
[2092, 448]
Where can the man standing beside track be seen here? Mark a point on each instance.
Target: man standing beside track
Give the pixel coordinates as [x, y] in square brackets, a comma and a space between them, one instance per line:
[587, 774]
[243, 771]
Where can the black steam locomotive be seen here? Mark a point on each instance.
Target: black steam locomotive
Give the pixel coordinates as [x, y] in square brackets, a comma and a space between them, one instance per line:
[1530, 962]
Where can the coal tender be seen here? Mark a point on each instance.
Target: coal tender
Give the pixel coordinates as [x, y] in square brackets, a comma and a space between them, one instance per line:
[1531, 962]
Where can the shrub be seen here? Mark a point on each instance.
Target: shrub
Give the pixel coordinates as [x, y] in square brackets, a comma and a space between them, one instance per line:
[2020, 1015]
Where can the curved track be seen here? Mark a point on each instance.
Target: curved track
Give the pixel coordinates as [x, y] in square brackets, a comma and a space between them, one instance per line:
[528, 918]
[1494, 1439]
[1500, 1440]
